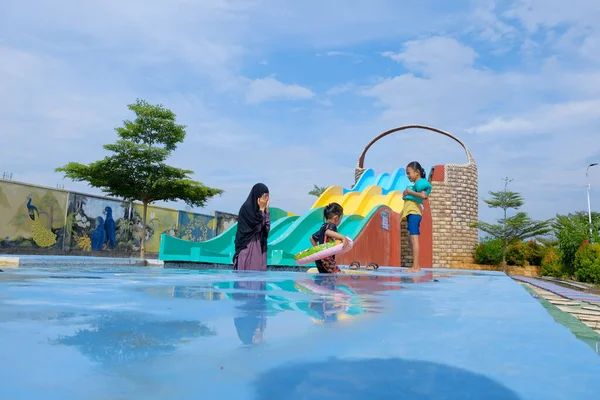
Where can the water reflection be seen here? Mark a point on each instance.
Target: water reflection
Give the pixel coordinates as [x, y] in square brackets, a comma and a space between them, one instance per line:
[251, 321]
[123, 337]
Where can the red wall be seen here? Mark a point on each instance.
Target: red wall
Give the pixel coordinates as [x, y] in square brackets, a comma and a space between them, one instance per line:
[374, 244]
[426, 238]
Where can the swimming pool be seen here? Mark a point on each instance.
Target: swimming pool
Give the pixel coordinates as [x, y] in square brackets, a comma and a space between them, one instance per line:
[152, 333]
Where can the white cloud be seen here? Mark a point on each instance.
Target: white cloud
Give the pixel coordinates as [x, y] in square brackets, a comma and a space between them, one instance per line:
[341, 89]
[437, 54]
[488, 24]
[267, 89]
[566, 116]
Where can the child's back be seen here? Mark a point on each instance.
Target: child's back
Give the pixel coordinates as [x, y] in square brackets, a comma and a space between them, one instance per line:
[333, 214]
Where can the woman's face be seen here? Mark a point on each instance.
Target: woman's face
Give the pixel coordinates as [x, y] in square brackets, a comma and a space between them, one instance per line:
[412, 174]
[265, 197]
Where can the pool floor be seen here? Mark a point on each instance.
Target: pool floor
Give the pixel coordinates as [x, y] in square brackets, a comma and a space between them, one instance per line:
[152, 333]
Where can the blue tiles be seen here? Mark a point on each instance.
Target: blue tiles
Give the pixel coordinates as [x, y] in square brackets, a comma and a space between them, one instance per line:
[144, 333]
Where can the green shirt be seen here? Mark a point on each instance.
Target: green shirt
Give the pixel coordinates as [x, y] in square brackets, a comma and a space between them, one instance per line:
[422, 185]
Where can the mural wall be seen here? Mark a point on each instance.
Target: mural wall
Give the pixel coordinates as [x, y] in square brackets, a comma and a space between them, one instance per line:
[158, 221]
[196, 227]
[33, 217]
[224, 221]
[97, 224]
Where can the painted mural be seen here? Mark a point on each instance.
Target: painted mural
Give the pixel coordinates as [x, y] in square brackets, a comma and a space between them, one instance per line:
[158, 221]
[196, 227]
[31, 217]
[97, 224]
[224, 221]
[34, 217]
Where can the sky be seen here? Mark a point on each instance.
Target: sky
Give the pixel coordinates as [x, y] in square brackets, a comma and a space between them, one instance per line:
[289, 92]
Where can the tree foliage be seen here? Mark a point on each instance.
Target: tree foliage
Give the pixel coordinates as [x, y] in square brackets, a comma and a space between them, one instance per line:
[136, 169]
[511, 229]
[571, 231]
[317, 191]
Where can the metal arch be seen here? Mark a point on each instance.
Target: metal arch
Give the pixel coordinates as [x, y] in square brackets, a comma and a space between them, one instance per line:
[361, 159]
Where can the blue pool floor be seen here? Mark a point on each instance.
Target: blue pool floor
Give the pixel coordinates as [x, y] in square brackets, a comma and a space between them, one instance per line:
[150, 333]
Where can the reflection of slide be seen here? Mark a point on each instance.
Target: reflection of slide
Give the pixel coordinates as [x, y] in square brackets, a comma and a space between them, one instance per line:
[289, 234]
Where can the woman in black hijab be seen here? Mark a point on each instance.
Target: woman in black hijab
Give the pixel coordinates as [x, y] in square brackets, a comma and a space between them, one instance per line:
[254, 223]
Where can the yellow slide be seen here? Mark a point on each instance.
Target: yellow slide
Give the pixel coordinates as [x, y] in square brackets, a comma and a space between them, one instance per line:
[361, 203]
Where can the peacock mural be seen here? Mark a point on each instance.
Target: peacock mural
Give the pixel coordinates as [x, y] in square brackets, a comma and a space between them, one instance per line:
[42, 236]
[33, 217]
[98, 237]
[110, 228]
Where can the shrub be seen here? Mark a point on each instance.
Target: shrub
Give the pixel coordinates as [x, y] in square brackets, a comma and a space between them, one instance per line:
[517, 254]
[587, 263]
[535, 253]
[571, 231]
[552, 265]
[489, 252]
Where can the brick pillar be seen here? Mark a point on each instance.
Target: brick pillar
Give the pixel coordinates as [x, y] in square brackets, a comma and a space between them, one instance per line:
[454, 206]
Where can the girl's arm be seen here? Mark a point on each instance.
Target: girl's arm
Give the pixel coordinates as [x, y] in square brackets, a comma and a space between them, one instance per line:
[422, 194]
[334, 234]
[313, 241]
[338, 236]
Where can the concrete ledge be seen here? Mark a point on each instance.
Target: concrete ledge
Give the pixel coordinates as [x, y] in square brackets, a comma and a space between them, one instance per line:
[205, 266]
[9, 262]
[529, 271]
[155, 263]
[74, 261]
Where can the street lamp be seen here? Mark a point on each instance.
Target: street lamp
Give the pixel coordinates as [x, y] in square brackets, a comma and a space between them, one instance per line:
[587, 173]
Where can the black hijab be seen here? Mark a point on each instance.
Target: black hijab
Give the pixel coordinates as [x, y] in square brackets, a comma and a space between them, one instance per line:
[249, 218]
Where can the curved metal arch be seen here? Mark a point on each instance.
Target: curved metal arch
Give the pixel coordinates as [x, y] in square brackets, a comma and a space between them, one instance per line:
[361, 159]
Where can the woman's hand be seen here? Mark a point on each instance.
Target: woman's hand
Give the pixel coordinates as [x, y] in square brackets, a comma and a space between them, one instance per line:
[263, 202]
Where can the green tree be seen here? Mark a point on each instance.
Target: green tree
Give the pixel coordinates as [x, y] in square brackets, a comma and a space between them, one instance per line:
[136, 169]
[571, 231]
[514, 228]
[317, 191]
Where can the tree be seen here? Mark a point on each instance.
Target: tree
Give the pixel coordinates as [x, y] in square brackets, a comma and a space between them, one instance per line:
[136, 169]
[317, 191]
[571, 231]
[511, 229]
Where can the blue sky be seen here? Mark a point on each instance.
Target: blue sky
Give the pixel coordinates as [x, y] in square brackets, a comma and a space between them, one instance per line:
[289, 93]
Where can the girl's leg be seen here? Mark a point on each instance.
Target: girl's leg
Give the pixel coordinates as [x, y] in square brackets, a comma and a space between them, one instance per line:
[414, 221]
[414, 240]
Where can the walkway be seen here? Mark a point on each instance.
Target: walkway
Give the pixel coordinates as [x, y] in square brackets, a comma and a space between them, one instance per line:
[584, 306]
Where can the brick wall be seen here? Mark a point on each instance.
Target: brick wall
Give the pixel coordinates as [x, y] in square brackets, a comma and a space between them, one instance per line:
[454, 206]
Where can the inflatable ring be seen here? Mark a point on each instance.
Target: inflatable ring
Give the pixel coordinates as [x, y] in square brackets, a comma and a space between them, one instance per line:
[322, 251]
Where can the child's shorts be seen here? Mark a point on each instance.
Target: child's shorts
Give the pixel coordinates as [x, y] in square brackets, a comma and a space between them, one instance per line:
[414, 222]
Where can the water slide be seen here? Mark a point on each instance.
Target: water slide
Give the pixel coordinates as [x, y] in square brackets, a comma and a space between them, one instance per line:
[289, 233]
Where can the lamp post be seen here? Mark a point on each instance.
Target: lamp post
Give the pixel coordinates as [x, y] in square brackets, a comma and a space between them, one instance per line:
[587, 173]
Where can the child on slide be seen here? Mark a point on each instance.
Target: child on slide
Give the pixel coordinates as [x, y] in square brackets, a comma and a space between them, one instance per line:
[413, 202]
[333, 216]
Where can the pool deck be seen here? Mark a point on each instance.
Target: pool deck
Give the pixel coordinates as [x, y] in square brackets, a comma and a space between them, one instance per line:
[123, 332]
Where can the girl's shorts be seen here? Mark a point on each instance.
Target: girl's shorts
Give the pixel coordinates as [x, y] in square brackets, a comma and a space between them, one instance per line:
[414, 222]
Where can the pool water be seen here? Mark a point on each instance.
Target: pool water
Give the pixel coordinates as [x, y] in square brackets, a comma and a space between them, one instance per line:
[152, 333]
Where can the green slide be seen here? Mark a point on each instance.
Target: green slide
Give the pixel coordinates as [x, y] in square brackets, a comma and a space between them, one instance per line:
[288, 236]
